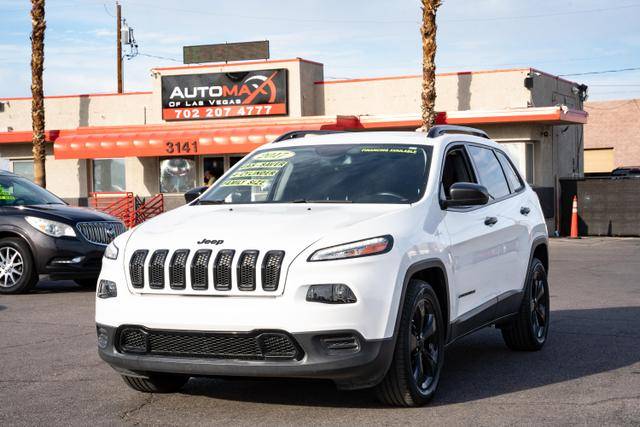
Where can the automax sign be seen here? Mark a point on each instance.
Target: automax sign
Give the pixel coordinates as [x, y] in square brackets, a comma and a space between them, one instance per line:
[223, 95]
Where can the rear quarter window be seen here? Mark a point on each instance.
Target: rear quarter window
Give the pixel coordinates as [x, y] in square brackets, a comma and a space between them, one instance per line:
[515, 183]
[489, 171]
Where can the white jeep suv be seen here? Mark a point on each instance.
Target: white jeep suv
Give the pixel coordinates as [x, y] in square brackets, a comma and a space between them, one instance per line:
[356, 257]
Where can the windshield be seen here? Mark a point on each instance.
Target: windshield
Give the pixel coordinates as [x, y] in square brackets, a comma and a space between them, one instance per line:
[325, 174]
[17, 191]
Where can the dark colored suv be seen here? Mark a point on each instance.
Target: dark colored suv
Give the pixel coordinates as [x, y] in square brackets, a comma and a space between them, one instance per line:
[41, 235]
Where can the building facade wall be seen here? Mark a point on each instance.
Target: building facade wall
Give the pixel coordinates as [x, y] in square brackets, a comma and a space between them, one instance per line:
[614, 125]
[70, 112]
[401, 95]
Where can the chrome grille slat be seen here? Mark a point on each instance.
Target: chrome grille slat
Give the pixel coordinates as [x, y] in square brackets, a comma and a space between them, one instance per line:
[100, 232]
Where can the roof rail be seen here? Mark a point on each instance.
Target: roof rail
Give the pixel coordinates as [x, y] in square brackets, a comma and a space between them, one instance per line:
[443, 129]
[302, 133]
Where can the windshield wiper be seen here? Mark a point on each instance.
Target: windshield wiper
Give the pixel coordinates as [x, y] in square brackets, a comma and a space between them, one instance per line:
[320, 201]
[211, 202]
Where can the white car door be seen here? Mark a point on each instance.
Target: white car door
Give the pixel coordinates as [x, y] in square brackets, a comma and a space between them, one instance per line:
[482, 237]
[471, 239]
[517, 208]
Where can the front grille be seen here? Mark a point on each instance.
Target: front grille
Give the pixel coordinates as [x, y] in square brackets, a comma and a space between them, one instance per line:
[100, 232]
[271, 270]
[156, 269]
[133, 340]
[136, 268]
[243, 346]
[178, 269]
[192, 271]
[247, 270]
[223, 270]
[200, 269]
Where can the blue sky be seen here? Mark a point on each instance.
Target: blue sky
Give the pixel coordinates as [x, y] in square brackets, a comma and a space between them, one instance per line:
[353, 38]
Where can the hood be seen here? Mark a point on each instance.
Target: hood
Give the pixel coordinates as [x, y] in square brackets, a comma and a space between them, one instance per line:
[291, 228]
[66, 213]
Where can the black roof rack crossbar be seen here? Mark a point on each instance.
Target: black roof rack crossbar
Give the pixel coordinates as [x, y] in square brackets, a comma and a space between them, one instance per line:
[442, 129]
[302, 133]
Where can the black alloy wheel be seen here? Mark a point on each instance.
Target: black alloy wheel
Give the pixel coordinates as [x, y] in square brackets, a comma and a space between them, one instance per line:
[539, 303]
[414, 374]
[424, 346]
[529, 329]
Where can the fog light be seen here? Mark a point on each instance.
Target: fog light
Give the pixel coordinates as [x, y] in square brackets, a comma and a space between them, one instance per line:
[76, 260]
[103, 338]
[107, 289]
[331, 294]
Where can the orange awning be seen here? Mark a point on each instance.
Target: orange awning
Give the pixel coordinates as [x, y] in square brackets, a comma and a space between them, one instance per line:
[167, 140]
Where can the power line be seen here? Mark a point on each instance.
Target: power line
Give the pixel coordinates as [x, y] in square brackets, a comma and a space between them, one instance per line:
[352, 21]
[589, 73]
[159, 57]
[614, 84]
[542, 15]
[107, 10]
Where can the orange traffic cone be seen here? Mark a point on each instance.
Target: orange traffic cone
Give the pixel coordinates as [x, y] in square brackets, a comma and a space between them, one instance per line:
[574, 219]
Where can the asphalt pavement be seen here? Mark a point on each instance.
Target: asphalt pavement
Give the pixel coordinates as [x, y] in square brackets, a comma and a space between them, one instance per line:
[588, 372]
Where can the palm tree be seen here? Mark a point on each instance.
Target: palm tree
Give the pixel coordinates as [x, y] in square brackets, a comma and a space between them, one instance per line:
[37, 103]
[428, 32]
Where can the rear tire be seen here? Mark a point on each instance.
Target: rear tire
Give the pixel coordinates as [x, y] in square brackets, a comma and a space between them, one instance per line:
[17, 269]
[156, 383]
[528, 331]
[418, 358]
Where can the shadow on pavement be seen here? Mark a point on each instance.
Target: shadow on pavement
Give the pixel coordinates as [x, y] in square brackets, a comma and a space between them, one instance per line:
[581, 343]
[50, 287]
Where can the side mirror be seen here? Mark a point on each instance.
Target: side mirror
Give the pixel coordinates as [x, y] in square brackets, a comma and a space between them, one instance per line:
[466, 194]
[194, 193]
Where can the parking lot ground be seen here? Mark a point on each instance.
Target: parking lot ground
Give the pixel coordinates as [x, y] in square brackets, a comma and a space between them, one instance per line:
[588, 373]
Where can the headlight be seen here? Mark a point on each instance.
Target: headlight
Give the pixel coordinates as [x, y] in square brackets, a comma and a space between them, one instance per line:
[373, 246]
[51, 228]
[111, 252]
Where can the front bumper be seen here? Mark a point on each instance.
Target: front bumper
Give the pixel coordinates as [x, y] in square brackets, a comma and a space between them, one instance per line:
[348, 369]
[54, 256]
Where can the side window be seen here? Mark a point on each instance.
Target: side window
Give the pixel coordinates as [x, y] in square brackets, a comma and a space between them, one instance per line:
[456, 169]
[515, 183]
[489, 171]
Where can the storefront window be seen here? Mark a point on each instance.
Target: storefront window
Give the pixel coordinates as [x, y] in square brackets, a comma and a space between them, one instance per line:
[23, 168]
[177, 175]
[234, 159]
[109, 175]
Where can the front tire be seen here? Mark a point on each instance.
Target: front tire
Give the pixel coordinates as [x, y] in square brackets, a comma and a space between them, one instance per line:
[418, 358]
[17, 270]
[528, 331]
[156, 383]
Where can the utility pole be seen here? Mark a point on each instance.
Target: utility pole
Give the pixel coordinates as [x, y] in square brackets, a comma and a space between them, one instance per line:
[119, 44]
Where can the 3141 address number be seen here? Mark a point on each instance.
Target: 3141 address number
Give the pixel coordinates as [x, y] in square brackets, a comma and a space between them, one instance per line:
[181, 147]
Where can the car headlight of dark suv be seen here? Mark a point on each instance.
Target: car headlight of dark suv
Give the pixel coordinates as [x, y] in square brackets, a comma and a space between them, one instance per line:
[50, 227]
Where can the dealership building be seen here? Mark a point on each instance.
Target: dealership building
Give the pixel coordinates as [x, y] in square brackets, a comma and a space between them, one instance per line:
[206, 117]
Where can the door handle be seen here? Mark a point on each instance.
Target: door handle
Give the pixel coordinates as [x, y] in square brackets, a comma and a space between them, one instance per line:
[490, 220]
[525, 210]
